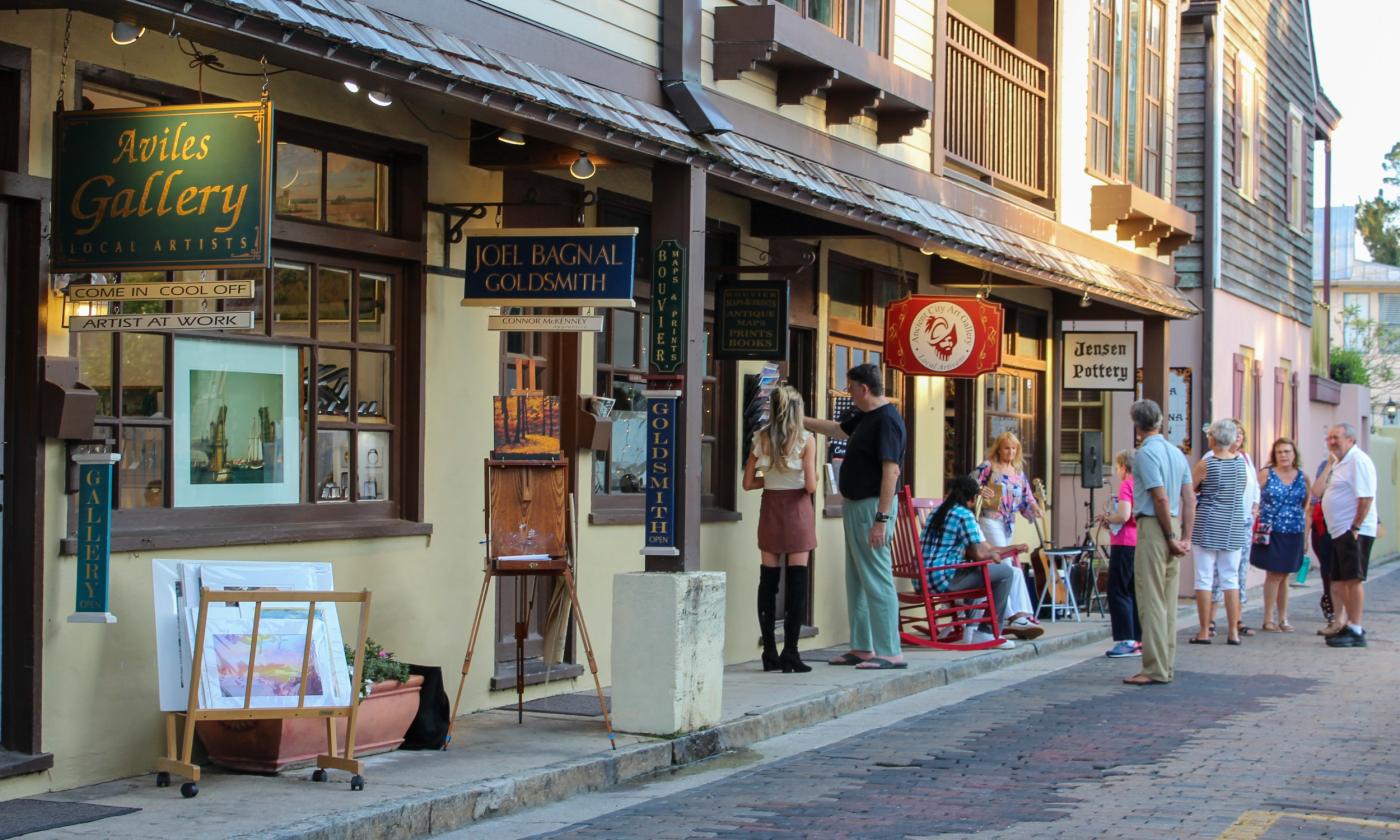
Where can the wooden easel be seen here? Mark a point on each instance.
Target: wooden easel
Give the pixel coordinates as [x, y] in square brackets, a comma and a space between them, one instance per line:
[531, 495]
[178, 760]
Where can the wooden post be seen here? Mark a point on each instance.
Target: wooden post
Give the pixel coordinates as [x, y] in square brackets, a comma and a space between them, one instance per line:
[1156, 360]
[679, 213]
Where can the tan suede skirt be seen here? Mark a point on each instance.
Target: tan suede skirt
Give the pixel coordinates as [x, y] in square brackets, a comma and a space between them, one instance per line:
[787, 522]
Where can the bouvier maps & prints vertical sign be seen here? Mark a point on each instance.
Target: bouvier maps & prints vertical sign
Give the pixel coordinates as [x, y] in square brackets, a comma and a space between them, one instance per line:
[943, 336]
[668, 307]
[162, 189]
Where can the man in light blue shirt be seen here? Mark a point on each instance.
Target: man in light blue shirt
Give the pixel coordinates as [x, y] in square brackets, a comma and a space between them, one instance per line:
[1161, 493]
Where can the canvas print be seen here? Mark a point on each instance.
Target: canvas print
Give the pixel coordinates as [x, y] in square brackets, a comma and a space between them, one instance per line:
[276, 673]
[526, 427]
[235, 427]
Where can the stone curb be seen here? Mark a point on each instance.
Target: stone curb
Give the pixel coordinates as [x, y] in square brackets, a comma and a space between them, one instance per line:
[451, 808]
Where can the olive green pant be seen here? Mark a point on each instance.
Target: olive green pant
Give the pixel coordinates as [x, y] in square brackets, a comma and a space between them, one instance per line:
[871, 604]
[1155, 573]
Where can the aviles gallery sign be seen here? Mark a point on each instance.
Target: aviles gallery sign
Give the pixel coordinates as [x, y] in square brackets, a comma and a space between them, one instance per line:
[550, 267]
[943, 336]
[161, 189]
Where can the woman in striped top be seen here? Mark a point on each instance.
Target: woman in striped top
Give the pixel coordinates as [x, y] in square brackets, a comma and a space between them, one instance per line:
[1219, 533]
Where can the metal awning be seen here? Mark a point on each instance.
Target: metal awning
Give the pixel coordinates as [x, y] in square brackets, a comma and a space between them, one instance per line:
[626, 120]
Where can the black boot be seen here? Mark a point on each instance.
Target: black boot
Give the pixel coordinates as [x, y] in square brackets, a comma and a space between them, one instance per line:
[794, 611]
[767, 605]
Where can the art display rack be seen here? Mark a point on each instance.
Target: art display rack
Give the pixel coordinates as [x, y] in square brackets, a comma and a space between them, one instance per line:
[177, 758]
[531, 494]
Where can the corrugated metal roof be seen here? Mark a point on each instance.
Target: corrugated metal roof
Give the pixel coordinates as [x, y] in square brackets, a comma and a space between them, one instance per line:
[374, 31]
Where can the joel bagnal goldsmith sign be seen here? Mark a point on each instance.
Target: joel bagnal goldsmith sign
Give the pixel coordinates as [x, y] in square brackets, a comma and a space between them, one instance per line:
[162, 189]
[550, 267]
[1103, 361]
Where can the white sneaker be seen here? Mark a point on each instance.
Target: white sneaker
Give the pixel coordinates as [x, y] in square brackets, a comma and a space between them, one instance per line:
[978, 637]
[1023, 628]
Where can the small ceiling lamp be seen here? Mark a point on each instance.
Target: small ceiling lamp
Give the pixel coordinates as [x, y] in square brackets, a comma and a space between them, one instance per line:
[511, 138]
[125, 32]
[583, 168]
[352, 85]
[381, 98]
[1085, 302]
[927, 248]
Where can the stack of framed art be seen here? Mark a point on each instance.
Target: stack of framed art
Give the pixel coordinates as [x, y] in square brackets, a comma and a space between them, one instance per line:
[246, 641]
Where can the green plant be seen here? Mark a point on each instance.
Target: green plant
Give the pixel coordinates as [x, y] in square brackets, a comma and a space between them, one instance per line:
[1349, 367]
[380, 665]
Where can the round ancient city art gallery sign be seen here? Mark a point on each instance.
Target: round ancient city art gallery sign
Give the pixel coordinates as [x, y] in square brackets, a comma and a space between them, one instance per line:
[943, 336]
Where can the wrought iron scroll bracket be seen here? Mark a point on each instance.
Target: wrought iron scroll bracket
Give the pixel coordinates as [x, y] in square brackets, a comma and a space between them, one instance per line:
[459, 213]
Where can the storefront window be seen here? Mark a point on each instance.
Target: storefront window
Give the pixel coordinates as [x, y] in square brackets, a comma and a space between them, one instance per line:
[320, 186]
[203, 421]
[1080, 411]
[1011, 403]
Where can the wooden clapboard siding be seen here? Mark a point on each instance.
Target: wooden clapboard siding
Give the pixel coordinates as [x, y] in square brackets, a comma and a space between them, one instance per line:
[1190, 147]
[631, 28]
[1262, 259]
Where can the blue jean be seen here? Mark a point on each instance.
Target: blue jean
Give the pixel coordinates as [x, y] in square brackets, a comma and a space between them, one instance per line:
[1122, 603]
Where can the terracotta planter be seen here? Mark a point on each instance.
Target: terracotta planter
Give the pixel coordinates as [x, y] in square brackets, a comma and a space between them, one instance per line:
[270, 746]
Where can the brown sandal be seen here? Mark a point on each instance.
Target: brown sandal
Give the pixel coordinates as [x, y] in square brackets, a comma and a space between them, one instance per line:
[1268, 627]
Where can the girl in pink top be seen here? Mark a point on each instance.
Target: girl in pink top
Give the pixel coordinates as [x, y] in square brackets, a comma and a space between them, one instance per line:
[1122, 605]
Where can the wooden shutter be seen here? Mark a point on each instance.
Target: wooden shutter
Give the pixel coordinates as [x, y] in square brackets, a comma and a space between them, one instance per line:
[1254, 432]
[1237, 405]
[1238, 173]
[1293, 409]
[1290, 212]
[1280, 379]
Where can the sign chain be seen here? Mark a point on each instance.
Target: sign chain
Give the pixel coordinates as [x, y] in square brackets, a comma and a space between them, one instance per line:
[262, 61]
[63, 64]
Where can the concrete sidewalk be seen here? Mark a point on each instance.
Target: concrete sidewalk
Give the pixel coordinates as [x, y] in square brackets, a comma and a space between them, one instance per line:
[496, 766]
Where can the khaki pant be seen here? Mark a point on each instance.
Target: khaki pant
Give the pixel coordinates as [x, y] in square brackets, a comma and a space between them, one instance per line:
[1155, 573]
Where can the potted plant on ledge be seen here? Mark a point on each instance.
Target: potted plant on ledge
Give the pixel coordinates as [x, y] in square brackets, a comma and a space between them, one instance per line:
[388, 704]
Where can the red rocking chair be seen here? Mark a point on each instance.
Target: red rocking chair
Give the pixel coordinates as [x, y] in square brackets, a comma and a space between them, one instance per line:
[938, 620]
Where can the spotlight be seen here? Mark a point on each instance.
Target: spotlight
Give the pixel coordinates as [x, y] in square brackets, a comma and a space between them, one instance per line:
[125, 32]
[352, 85]
[381, 98]
[511, 138]
[583, 168]
[927, 248]
[1085, 302]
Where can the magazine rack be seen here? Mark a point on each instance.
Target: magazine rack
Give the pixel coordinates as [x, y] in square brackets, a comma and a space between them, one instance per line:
[528, 533]
[177, 758]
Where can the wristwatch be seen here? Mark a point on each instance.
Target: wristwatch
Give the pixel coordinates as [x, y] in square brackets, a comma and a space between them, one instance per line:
[882, 517]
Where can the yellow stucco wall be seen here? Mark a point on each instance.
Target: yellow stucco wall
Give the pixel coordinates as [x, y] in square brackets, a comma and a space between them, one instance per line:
[424, 588]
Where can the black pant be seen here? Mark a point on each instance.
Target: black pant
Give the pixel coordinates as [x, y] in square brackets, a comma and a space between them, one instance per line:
[1122, 604]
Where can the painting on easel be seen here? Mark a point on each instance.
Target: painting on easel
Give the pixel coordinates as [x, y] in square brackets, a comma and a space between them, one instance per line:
[526, 427]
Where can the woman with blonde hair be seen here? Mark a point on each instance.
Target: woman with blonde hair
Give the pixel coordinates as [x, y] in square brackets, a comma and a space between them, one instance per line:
[1278, 541]
[783, 463]
[1005, 491]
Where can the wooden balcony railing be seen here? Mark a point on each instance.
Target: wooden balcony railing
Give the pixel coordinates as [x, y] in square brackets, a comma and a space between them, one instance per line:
[997, 110]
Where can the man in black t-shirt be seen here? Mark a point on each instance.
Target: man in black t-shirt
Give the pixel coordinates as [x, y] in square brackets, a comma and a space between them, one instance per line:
[869, 475]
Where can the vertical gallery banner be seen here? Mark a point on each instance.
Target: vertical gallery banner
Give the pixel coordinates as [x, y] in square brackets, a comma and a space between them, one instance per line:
[94, 537]
[668, 307]
[160, 189]
[660, 522]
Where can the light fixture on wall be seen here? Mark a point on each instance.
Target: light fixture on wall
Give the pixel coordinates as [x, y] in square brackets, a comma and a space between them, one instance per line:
[511, 138]
[927, 248]
[125, 32]
[1085, 302]
[583, 168]
[1391, 409]
[380, 98]
[352, 85]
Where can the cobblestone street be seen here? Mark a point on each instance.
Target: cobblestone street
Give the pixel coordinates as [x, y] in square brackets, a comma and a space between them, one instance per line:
[1282, 737]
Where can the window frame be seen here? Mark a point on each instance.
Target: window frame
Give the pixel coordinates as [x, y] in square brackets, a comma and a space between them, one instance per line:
[1070, 458]
[399, 254]
[1123, 63]
[1295, 170]
[1247, 115]
[839, 25]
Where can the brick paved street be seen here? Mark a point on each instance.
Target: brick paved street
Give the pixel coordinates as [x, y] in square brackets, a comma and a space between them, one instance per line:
[1279, 738]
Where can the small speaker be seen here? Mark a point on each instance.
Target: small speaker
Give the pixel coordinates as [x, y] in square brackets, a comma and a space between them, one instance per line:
[1091, 460]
